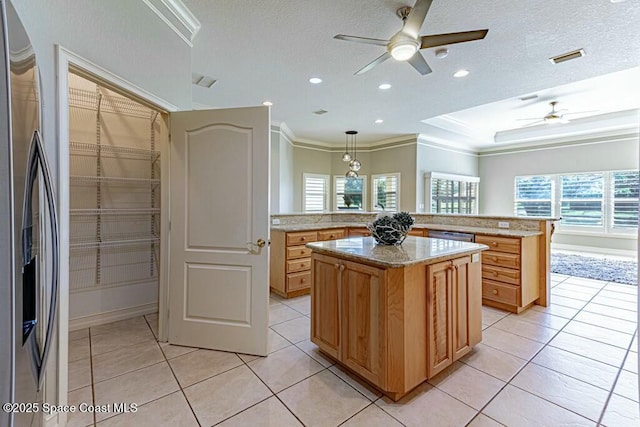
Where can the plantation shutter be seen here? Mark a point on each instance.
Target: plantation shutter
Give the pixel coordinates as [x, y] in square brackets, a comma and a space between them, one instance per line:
[315, 192]
[534, 196]
[624, 199]
[581, 201]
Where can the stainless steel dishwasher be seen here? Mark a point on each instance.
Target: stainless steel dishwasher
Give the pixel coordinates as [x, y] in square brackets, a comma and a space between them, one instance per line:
[452, 235]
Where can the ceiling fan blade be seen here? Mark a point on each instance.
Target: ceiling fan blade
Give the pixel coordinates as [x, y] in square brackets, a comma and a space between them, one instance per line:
[534, 123]
[418, 62]
[452, 38]
[373, 63]
[416, 18]
[365, 40]
[581, 112]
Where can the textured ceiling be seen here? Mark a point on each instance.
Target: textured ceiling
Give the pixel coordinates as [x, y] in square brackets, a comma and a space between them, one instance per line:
[267, 50]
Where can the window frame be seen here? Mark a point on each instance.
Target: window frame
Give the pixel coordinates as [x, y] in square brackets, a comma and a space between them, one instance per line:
[430, 176]
[374, 193]
[607, 228]
[334, 193]
[326, 195]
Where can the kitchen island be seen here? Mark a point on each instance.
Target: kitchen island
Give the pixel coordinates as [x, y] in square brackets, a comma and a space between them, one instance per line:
[396, 315]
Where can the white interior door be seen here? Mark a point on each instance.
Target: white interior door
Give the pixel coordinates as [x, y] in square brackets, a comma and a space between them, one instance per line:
[219, 191]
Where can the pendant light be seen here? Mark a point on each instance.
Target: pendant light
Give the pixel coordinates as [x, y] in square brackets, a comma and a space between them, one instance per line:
[354, 163]
[346, 157]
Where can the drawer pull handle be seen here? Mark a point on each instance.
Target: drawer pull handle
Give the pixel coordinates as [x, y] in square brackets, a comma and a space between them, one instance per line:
[341, 267]
[303, 238]
[331, 236]
[495, 292]
[337, 266]
[495, 273]
[303, 280]
[493, 243]
[495, 258]
[301, 265]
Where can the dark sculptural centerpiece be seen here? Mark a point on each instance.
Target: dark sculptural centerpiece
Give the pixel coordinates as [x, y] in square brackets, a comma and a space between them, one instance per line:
[391, 229]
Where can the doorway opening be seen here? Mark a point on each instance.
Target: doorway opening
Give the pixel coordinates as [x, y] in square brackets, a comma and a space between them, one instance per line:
[114, 202]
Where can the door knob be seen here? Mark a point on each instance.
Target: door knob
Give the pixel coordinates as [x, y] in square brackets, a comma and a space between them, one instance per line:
[260, 243]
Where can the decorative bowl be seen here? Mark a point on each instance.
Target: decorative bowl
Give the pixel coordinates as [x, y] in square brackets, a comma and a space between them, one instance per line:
[391, 230]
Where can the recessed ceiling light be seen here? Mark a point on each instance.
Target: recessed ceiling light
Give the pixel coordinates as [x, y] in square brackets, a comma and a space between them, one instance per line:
[379, 121]
[384, 86]
[315, 80]
[267, 103]
[461, 73]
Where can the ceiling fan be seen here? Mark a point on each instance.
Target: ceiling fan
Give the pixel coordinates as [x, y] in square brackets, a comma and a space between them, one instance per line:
[553, 116]
[405, 44]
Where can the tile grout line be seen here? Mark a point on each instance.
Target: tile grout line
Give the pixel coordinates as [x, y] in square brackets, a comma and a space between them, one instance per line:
[615, 381]
[175, 377]
[529, 361]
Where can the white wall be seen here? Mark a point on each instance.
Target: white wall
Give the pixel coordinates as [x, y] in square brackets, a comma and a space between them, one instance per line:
[432, 157]
[281, 172]
[498, 170]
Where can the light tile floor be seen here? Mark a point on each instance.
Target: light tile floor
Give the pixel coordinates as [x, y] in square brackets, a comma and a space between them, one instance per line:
[574, 363]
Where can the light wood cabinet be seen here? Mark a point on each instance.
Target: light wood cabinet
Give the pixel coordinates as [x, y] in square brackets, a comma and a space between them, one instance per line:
[358, 232]
[510, 272]
[395, 327]
[454, 316]
[290, 260]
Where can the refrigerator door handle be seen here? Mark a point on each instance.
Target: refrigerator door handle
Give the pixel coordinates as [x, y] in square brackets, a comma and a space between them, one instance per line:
[37, 159]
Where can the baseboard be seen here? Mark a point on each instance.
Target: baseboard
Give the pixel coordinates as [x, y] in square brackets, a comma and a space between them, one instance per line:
[593, 250]
[112, 316]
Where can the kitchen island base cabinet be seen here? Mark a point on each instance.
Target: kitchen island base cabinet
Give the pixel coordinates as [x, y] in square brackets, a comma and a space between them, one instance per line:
[454, 315]
[381, 323]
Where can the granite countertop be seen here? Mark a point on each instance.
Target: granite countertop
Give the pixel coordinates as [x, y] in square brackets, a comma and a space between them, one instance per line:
[414, 250]
[506, 232]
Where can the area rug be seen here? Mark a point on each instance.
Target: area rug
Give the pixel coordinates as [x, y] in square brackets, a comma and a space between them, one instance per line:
[610, 270]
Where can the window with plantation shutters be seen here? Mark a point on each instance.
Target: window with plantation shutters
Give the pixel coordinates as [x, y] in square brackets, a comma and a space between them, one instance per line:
[456, 194]
[594, 202]
[582, 199]
[534, 196]
[624, 199]
[349, 193]
[385, 192]
[315, 192]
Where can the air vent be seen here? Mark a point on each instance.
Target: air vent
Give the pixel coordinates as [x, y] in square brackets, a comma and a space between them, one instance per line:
[320, 112]
[200, 80]
[528, 97]
[568, 56]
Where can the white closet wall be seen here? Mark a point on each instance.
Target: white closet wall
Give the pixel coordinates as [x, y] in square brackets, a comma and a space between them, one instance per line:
[114, 204]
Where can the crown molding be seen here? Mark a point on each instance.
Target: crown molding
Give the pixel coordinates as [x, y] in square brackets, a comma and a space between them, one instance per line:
[177, 17]
[621, 135]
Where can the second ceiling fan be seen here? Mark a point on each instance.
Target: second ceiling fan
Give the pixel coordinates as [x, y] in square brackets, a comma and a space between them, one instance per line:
[406, 43]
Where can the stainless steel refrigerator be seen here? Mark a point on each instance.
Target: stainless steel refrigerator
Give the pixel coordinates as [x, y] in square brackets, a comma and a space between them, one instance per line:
[28, 231]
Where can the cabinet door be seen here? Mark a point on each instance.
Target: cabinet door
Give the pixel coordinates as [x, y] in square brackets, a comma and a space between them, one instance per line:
[363, 315]
[466, 305]
[439, 316]
[325, 300]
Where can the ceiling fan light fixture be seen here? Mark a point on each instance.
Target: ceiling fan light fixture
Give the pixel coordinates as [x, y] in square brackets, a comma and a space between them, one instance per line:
[404, 50]
[553, 118]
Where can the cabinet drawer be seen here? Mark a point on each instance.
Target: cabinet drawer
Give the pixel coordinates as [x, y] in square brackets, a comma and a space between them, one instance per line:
[301, 238]
[500, 292]
[359, 232]
[500, 244]
[331, 234]
[418, 232]
[501, 259]
[298, 252]
[298, 265]
[297, 281]
[501, 274]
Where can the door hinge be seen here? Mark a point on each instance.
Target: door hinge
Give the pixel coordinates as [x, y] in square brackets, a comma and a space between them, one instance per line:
[169, 225]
